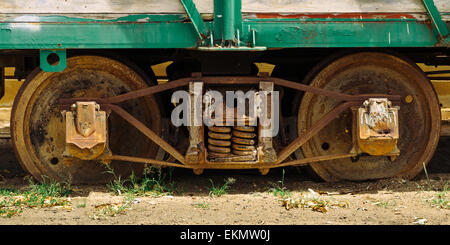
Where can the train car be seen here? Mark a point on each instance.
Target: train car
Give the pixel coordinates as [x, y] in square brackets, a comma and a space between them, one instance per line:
[354, 89]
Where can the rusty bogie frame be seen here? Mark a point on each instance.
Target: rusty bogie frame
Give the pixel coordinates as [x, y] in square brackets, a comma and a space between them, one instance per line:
[196, 155]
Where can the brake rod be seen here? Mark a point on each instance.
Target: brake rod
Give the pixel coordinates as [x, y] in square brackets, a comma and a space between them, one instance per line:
[239, 80]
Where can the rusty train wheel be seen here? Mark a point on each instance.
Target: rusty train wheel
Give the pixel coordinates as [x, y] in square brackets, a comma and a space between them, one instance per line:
[38, 132]
[370, 72]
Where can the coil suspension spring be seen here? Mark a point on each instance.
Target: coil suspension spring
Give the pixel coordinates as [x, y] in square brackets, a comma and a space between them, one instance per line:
[226, 141]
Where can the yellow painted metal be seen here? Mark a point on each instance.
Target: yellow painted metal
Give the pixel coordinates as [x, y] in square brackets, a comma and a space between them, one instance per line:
[445, 114]
[443, 91]
[6, 102]
[265, 67]
[160, 71]
[442, 87]
[11, 88]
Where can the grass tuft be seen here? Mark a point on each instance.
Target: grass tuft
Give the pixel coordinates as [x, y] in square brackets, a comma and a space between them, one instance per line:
[112, 209]
[441, 199]
[47, 193]
[221, 190]
[202, 205]
[154, 182]
[279, 189]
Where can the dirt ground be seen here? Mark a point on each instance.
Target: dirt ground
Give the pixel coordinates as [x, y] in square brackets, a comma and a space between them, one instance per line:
[251, 199]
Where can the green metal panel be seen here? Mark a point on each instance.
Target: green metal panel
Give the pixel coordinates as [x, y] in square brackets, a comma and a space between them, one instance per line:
[270, 34]
[227, 31]
[94, 35]
[342, 34]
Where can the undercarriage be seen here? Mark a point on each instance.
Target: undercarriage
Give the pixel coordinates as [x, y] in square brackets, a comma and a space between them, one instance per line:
[350, 118]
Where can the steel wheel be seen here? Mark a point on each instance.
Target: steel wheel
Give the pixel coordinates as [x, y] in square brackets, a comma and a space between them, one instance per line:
[38, 131]
[372, 73]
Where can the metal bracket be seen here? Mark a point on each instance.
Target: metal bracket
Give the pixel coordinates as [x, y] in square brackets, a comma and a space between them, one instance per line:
[53, 60]
[86, 131]
[253, 46]
[227, 29]
[376, 128]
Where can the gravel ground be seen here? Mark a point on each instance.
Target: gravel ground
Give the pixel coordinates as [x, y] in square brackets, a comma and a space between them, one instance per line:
[251, 199]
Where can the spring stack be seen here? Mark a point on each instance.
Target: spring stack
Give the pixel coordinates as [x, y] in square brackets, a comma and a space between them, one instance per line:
[232, 143]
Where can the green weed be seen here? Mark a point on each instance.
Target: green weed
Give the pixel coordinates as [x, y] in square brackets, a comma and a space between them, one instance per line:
[280, 190]
[441, 199]
[113, 209]
[47, 193]
[154, 182]
[385, 204]
[221, 190]
[202, 205]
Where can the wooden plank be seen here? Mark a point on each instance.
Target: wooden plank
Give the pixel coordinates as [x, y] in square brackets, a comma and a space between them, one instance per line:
[206, 6]
[99, 6]
[339, 6]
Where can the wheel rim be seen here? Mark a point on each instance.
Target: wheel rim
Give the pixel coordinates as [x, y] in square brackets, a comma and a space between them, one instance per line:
[38, 126]
[372, 73]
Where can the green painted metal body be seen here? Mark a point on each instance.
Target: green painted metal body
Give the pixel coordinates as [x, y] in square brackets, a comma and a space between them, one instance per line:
[173, 31]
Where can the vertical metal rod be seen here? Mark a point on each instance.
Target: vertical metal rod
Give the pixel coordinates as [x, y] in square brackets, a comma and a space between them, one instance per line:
[228, 19]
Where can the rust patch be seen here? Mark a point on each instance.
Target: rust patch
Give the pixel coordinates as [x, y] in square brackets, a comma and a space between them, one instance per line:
[336, 16]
